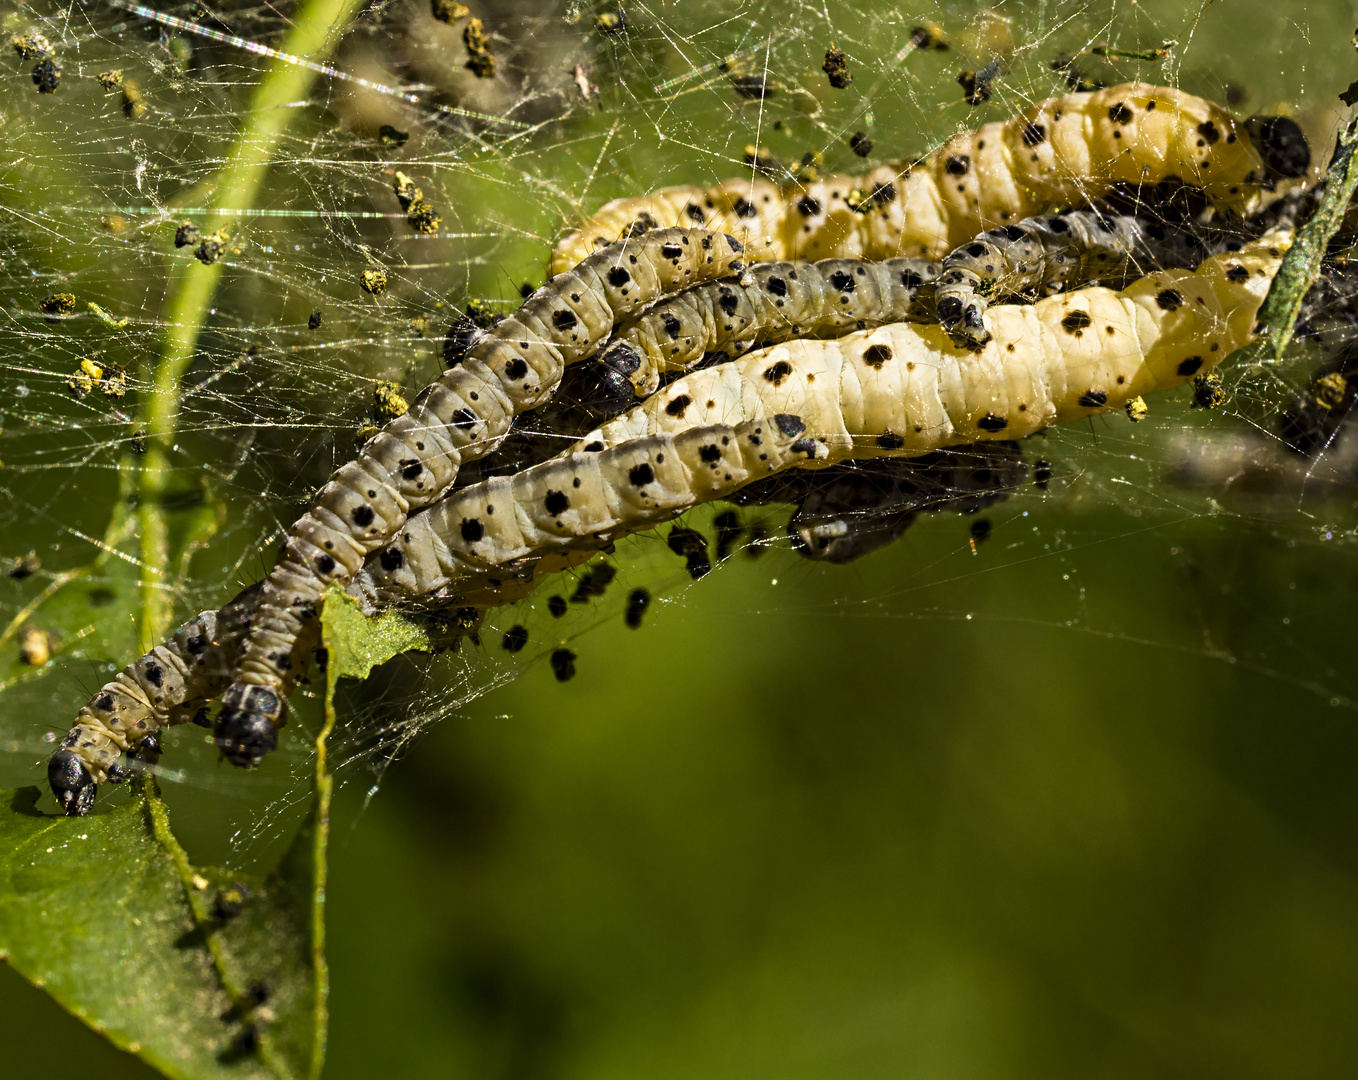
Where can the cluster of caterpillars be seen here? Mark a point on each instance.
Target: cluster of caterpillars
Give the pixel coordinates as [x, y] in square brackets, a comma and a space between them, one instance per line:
[782, 362]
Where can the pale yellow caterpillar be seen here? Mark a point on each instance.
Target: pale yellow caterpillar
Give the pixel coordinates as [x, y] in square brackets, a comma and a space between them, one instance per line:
[415, 458]
[906, 389]
[1066, 151]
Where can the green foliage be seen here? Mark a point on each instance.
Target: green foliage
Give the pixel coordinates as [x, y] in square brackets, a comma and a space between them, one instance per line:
[1072, 802]
[219, 974]
[178, 964]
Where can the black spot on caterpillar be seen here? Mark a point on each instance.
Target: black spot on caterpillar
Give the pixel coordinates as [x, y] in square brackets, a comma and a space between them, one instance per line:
[613, 494]
[514, 367]
[1069, 151]
[1031, 375]
[771, 302]
[1049, 255]
[849, 510]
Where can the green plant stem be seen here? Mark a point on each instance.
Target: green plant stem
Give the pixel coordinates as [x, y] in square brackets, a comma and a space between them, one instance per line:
[320, 838]
[317, 25]
[1301, 265]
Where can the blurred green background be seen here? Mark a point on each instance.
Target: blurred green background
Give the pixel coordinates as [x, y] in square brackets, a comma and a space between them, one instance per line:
[1077, 801]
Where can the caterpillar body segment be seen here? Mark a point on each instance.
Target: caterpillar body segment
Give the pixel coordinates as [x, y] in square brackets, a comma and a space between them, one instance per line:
[1066, 151]
[415, 458]
[151, 693]
[906, 389]
[1049, 255]
[578, 502]
[770, 302]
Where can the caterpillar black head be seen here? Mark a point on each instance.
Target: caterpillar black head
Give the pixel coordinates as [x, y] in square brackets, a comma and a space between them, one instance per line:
[461, 336]
[71, 783]
[247, 727]
[600, 392]
[1282, 144]
[790, 427]
[618, 365]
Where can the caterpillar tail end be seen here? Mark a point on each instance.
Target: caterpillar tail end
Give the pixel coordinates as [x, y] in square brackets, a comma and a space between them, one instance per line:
[247, 727]
[71, 783]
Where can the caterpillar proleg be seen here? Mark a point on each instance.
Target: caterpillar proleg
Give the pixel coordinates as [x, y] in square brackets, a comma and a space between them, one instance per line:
[905, 389]
[1066, 151]
[415, 458]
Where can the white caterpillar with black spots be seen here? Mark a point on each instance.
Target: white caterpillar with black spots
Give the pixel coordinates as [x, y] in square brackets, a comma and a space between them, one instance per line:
[1066, 151]
[906, 389]
[512, 368]
[579, 501]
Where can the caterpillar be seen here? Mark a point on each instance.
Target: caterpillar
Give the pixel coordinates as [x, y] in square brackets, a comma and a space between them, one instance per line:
[513, 367]
[777, 301]
[1050, 255]
[714, 321]
[846, 511]
[154, 691]
[552, 517]
[1066, 151]
[168, 685]
[905, 389]
[770, 302]
[583, 500]
[774, 302]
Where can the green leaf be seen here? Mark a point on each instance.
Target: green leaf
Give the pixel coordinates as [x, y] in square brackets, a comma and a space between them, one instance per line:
[201, 973]
[355, 643]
